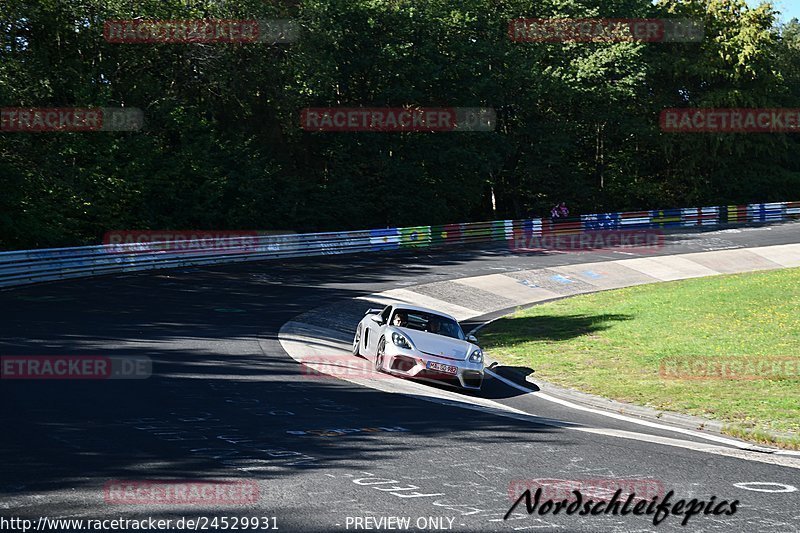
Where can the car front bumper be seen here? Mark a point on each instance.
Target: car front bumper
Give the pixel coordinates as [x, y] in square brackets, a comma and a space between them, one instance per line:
[413, 364]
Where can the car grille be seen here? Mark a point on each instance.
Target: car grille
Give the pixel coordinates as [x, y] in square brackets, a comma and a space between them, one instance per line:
[438, 376]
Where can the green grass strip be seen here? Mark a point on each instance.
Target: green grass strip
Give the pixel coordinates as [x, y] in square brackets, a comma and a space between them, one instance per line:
[674, 346]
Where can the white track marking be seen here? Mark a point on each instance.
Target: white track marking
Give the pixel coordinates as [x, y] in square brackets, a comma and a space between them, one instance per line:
[788, 452]
[749, 486]
[747, 455]
[632, 420]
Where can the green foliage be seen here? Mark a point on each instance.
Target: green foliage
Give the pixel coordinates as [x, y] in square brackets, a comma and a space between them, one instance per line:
[223, 148]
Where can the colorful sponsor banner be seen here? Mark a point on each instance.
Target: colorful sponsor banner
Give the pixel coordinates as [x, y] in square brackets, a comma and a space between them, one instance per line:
[666, 217]
[452, 233]
[384, 239]
[593, 30]
[438, 235]
[690, 216]
[765, 212]
[709, 216]
[732, 214]
[562, 226]
[206, 31]
[179, 492]
[532, 226]
[476, 232]
[415, 237]
[600, 221]
[72, 119]
[699, 216]
[447, 234]
[334, 243]
[397, 119]
[635, 219]
[352, 241]
[501, 230]
[709, 120]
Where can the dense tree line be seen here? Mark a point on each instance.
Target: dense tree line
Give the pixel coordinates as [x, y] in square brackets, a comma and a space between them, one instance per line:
[222, 147]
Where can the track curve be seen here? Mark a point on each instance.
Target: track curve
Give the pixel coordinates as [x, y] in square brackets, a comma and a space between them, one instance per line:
[226, 401]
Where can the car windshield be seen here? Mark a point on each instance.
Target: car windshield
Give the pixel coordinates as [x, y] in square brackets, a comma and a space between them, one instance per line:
[430, 322]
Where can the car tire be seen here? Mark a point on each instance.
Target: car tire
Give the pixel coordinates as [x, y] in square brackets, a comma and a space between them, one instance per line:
[379, 354]
[357, 342]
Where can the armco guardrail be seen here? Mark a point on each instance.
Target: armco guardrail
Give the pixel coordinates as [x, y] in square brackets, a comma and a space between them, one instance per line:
[33, 266]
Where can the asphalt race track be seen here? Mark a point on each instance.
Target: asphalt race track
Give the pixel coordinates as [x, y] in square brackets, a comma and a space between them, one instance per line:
[225, 401]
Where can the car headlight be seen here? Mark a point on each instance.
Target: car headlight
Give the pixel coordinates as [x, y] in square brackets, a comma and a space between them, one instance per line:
[476, 356]
[400, 341]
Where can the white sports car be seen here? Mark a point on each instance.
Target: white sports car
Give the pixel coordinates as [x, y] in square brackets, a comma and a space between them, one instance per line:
[420, 343]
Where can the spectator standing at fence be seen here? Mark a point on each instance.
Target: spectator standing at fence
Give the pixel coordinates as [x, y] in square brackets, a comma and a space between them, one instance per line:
[559, 211]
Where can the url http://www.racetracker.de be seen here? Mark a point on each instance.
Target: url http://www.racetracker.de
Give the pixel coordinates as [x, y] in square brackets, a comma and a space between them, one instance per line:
[195, 523]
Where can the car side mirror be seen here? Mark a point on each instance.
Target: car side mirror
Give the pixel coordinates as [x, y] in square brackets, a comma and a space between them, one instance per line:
[377, 319]
[473, 339]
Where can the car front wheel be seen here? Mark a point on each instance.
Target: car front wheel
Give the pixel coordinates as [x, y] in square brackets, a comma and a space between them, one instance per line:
[379, 355]
[357, 342]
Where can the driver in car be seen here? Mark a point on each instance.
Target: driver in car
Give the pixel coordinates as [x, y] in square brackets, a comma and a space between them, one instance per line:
[434, 326]
[400, 320]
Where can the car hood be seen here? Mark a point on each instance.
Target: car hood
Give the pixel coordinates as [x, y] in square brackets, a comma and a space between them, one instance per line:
[438, 345]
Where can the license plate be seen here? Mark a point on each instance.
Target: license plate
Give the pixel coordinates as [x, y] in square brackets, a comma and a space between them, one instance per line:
[447, 369]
